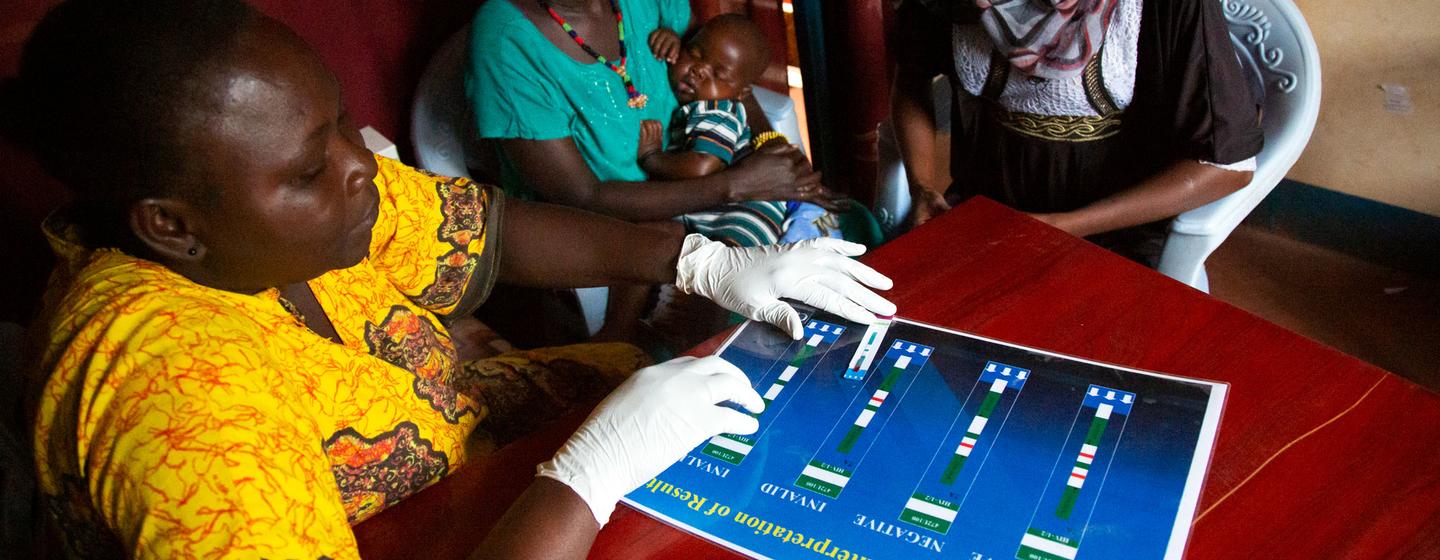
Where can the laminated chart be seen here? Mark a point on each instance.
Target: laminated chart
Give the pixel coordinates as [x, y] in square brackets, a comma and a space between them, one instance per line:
[938, 497]
[844, 449]
[904, 440]
[1074, 485]
[733, 448]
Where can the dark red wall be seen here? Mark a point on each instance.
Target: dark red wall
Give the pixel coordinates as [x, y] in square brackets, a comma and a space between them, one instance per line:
[26, 193]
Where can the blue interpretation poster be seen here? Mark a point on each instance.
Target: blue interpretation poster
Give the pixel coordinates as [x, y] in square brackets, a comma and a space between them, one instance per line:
[904, 440]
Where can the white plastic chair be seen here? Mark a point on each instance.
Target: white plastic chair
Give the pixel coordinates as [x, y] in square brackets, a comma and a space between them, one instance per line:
[439, 124]
[1273, 42]
[439, 112]
[892, 194]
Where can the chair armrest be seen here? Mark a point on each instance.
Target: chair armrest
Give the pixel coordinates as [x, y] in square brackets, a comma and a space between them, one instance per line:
[1269, 29]
[1219, 217]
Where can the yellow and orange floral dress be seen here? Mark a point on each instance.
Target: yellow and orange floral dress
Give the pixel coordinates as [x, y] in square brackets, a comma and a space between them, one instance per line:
[183, 421]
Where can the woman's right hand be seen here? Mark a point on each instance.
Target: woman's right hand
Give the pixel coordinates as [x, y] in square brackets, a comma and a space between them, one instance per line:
[649, 422]
[925, 204]
[779, 171]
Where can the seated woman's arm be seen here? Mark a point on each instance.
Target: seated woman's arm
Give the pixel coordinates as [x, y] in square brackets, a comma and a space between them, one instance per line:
[665, 410]
[547, 245]
[680, 165]
[556, 170]
[553, 246]
[549, 520]
[1183, 186]
[922, 54]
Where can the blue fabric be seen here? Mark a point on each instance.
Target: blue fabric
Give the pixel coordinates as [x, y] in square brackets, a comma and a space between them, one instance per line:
[808, 221]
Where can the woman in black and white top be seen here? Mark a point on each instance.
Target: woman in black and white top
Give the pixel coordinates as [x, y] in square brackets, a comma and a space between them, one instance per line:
[1104, 118]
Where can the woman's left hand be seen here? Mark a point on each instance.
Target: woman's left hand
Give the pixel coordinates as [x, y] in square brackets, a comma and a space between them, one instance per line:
[751, 280]
[648, 423]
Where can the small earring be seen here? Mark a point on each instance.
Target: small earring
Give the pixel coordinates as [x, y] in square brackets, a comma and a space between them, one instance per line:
[193, 251]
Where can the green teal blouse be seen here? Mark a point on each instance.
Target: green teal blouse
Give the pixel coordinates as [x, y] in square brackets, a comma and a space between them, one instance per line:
[521, 86]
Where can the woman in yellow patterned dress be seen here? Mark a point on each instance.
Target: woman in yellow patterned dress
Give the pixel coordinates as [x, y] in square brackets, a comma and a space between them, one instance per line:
[245, 345]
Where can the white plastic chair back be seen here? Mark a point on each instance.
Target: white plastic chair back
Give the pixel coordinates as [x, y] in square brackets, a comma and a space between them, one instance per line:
[438, 116]
[1273, 42]
[892, 192]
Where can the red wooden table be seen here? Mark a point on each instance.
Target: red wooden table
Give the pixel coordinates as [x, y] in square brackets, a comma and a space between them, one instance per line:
[1319, 455]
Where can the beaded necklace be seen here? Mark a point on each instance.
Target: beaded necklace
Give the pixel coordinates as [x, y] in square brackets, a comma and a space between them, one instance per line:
[637, 99]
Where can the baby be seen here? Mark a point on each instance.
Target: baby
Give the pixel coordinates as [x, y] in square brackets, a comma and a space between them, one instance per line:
[709, 132]
[710, 76]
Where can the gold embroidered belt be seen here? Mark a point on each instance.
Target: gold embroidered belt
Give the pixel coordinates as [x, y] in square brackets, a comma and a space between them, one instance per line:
[1058, 128]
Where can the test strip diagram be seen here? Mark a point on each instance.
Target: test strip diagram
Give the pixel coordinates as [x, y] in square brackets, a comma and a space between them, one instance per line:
[733, 448]
[832, 466]
[1074, 485]
[941, 492]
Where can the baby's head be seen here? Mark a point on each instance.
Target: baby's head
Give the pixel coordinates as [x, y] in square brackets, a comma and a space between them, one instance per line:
[721, 61]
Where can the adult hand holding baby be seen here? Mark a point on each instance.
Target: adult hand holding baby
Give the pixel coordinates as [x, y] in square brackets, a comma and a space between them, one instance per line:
[779, 171]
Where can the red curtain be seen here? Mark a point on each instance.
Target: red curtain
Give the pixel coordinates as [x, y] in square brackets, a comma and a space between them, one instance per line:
[859, 88]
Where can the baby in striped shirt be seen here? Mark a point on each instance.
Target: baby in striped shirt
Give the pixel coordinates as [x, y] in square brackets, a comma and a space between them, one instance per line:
[709, 75]
[709, 132]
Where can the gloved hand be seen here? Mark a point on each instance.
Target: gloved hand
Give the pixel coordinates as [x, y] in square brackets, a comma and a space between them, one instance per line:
[649, 422]
[751, 280]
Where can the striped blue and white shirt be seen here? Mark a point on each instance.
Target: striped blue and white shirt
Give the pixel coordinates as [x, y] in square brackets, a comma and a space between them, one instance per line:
[716, 127]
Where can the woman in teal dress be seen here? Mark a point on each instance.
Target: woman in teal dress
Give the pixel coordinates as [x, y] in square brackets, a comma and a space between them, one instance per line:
[567, 123]
[564, 123]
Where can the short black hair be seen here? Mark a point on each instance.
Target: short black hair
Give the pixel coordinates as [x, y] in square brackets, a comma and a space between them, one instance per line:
[752, 40]
[105, 91]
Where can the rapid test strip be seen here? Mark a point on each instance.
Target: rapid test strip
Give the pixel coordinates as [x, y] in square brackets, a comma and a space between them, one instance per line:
[869, 346]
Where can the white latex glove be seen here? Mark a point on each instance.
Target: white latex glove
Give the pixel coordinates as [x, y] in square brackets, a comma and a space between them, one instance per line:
[751, 280]
[648, 423]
